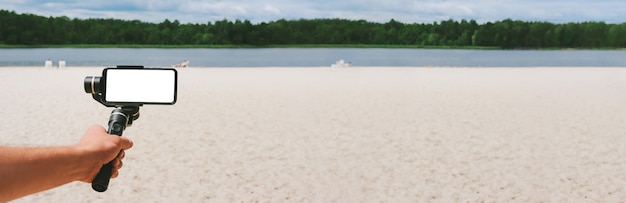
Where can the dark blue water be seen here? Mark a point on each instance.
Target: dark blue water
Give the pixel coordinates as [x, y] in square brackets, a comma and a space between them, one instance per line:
[314, 57]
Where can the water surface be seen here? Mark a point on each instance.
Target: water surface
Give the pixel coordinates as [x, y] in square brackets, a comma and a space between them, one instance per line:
[314, 57]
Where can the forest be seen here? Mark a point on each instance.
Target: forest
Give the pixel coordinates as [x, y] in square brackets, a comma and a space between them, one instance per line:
[33, 30]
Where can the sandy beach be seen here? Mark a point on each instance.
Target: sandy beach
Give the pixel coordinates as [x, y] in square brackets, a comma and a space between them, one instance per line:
[344, 134]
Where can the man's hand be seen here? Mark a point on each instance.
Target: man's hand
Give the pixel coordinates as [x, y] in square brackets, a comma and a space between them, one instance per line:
[100, 148]
[28, 170]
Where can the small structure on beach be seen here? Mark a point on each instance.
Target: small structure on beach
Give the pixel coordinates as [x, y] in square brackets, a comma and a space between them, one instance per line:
[341, 64]
[47, 64]
[61, 64]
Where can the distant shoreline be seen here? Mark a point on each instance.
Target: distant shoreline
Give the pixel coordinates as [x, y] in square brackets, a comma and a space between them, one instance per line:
[241, 46]
[339, 46]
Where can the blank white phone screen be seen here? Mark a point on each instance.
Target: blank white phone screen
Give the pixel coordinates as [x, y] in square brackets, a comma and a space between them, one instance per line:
[141, 85]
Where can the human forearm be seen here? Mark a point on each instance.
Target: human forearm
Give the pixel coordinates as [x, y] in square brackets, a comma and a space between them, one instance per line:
[28, 170]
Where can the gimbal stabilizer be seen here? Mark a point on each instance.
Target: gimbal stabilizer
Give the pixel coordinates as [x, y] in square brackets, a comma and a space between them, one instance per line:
[120, 118]
[129, 82]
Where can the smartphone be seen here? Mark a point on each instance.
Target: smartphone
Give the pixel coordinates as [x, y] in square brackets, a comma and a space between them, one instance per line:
[138, 86]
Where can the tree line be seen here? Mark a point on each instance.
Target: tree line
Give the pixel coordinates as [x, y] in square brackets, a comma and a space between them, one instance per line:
[31, 29]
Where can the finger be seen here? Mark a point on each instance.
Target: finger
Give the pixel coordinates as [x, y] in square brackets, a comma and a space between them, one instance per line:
[117, 164]
[121, 155]
[125, 143]
[115, 173]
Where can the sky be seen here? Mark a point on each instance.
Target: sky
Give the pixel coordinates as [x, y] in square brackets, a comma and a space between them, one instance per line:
[407, 11]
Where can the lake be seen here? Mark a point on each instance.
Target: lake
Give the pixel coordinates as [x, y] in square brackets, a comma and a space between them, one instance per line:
[313, 57]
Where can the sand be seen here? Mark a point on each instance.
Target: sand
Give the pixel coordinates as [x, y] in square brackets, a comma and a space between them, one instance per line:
[345, 135]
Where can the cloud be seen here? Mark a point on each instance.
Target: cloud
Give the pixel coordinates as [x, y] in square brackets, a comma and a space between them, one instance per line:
[271, 10]
[421, 11]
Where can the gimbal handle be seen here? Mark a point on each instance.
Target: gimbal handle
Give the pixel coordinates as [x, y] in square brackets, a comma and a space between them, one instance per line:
[118, 121]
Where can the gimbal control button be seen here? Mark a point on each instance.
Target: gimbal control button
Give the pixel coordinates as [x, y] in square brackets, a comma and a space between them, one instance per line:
[116, 127]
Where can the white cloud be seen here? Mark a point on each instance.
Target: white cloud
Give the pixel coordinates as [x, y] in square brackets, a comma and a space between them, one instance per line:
[271, 10]
[240, 10]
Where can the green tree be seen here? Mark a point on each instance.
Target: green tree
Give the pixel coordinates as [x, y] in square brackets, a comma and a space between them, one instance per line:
[30, 29]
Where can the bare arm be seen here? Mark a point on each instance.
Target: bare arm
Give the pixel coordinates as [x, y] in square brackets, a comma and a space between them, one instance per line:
[28, 170]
